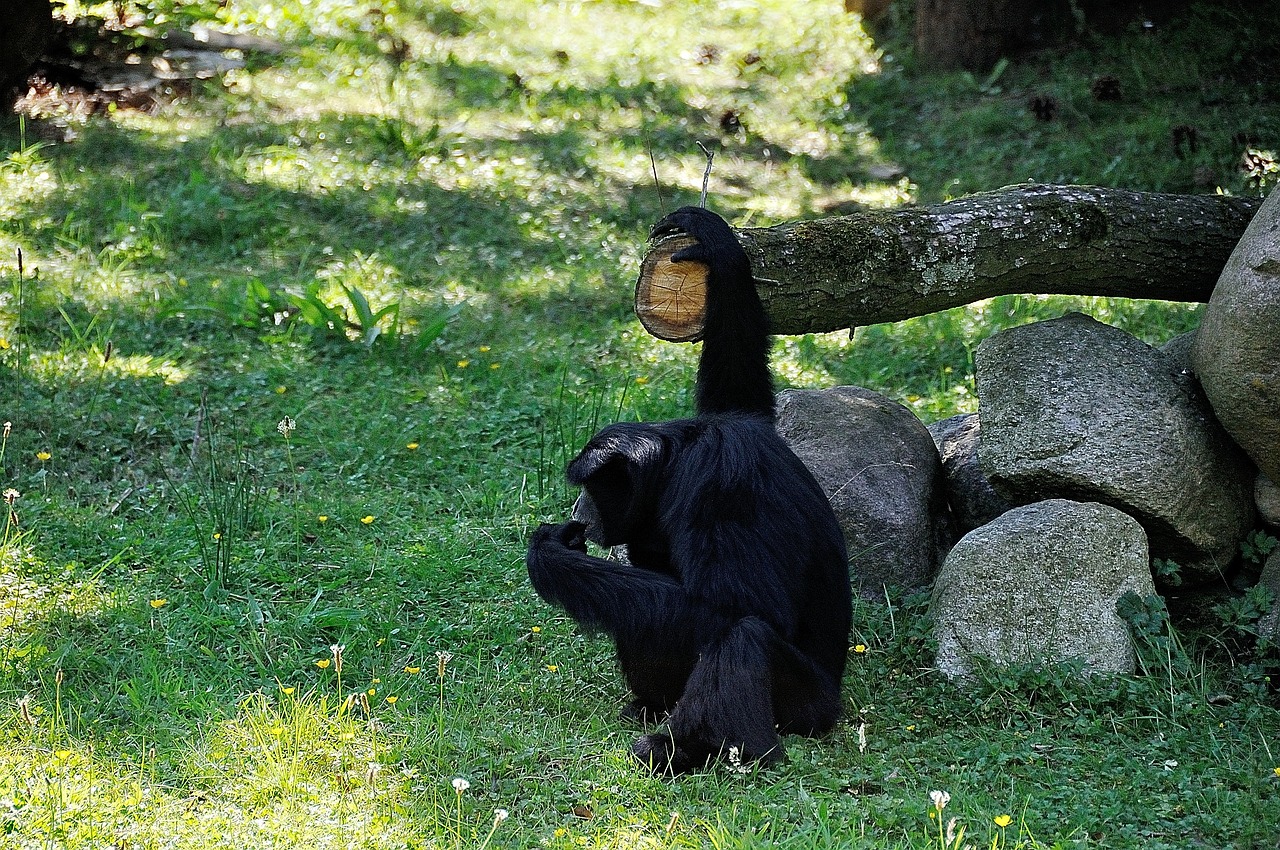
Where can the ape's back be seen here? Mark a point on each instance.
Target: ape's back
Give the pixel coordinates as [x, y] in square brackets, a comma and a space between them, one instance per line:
[751, 529]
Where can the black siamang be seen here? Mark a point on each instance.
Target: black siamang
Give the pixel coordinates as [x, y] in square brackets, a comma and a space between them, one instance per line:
[732, 617]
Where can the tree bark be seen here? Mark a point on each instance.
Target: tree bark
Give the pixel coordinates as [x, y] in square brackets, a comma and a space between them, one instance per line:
[884, 266]
[973, 35]
[23, 37]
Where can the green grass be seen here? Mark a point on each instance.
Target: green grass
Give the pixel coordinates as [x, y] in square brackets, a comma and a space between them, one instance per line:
[170, 597]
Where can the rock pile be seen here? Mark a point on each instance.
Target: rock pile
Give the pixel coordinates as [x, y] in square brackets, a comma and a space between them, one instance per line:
[1091, 453]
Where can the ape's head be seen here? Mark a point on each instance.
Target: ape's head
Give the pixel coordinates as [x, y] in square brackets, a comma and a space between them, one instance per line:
[616, 473]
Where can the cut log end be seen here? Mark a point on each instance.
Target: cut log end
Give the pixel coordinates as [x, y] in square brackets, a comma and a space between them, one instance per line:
[671, 298]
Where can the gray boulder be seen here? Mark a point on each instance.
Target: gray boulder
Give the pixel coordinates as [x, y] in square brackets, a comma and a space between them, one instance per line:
[1075, 409]
[1269, 625]
[1266, 495]
[879, 467]
[1038, 586]
[1237, 349]
[1178, 353]
[974, 502]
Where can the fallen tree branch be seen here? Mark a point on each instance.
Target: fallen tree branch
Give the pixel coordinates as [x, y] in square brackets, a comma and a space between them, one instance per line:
[883, 266]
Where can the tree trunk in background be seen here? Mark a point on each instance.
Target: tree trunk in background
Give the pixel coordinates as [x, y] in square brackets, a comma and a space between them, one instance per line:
[973, 35]
[26, 30]
[883, 266]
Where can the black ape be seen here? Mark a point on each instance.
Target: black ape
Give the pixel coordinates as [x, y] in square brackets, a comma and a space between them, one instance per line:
[734, 612]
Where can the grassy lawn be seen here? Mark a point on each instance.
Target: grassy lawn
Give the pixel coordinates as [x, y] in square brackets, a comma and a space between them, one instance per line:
[266, 586]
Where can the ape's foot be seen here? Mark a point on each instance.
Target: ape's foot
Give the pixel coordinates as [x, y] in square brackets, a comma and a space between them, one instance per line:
[659, 753]
[642, 712]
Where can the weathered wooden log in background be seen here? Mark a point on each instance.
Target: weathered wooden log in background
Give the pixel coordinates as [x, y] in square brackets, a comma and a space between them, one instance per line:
[883, 266]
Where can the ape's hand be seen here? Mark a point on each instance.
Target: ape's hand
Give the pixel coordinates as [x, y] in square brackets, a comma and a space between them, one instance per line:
[566, 535]
[717, 246]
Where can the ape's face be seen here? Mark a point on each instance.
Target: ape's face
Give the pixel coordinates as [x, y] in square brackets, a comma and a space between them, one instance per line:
[612, 471]
[608, 515]
[586, 512]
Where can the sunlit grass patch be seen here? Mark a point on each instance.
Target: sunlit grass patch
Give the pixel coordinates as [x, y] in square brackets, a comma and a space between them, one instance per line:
[31, 594]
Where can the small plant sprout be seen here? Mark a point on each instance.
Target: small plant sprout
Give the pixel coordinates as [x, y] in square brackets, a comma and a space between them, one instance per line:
[938, 801]
[460, 787]
[11, 497]
[1001, 822]
[156, 605]
[286, 427]
[336, 651]
[736, 764]
[499, 815]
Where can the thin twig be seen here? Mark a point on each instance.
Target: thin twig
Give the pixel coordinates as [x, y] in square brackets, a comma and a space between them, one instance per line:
[657, 184]
[706, 175]
[200, 416]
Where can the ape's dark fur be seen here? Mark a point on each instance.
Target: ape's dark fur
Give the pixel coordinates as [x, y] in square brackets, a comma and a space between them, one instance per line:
[733, 615]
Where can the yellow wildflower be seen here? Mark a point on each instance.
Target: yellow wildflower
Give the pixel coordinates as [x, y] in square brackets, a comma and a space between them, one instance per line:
[159, 603]
[1003, 820]
[367, 520]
